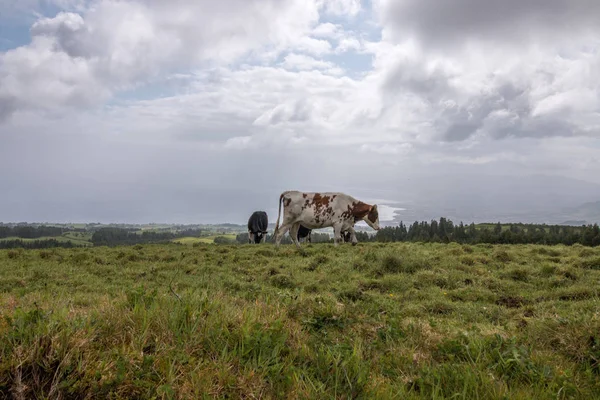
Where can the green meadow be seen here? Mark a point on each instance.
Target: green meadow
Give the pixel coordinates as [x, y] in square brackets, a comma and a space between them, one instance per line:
[80, 239]
[382, 321]
[204, 239]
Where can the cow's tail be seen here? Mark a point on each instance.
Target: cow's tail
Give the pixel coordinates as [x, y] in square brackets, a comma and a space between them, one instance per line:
[278, 215]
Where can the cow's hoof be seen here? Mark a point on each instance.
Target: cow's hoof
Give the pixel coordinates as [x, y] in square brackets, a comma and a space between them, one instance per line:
[354, 243]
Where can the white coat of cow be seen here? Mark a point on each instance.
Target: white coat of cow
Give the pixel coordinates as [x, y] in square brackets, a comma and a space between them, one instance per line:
[322, 210]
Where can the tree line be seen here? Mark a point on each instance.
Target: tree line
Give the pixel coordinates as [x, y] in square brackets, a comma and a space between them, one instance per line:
[36, 244]
[444, 231]
[30, 232]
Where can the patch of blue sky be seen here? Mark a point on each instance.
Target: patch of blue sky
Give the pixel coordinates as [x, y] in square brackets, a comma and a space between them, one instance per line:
[363, 23]
[13, 36]
[14, 31]
[48, 9]
[355, 64]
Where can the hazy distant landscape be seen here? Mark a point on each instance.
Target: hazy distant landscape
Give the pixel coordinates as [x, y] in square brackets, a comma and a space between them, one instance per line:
[466, 198]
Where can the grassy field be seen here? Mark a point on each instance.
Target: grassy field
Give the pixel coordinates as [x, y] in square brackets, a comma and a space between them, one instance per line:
[206, 239]
[401, 321]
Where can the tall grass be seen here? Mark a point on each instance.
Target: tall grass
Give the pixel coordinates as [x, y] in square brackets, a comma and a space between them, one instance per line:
[397, 320]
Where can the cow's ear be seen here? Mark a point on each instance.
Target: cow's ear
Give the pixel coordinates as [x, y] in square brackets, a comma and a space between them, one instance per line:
[374, 208]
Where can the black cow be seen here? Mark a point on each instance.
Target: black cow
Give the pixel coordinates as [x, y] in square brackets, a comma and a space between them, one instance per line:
[304, 232]
[257, 227]
[346, 236]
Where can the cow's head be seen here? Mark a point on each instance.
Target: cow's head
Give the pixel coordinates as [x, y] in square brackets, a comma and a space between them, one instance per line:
[367, 213]
[258, 236]
[372, 218]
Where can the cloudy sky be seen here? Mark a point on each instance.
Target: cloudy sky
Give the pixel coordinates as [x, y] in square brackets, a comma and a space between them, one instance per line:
[202, 111]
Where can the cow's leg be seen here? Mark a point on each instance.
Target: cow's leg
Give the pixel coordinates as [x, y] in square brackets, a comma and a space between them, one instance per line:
[294, 233]
[282, 231]
[337, 233]
[250, 237]
[309, 238]
[353, 238]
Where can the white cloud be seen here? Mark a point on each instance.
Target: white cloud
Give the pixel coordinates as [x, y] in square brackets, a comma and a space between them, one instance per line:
[327, 30]
[115, 45]
[38, 77]
[348, 44]
[313, 46]
[303, 62]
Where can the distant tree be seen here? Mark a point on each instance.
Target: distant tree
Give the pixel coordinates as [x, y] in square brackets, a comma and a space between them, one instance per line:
[498, 228]
[36, 244]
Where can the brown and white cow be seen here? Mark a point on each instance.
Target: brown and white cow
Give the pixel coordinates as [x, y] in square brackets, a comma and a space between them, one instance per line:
[320, 210]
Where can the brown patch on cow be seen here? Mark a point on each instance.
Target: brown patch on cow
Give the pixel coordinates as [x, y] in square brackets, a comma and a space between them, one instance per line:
[304, 195]
[347, 214]
[360, 210]
[321, 204]
[321, 201]
[286, 202]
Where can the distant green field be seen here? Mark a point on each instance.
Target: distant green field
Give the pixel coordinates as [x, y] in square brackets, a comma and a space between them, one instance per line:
[78, 237]
[74, 237]
[207, 239]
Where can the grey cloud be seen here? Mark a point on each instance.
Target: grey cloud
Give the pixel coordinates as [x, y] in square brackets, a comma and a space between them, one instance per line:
[548, 127]
[411, 76]
[301, 111]
[451, 22]
[459, 131]
[8, 105]
[69, 30]
[291, 111]
[510, 92]
[514, 121]
[528, 92]
[505, 109]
